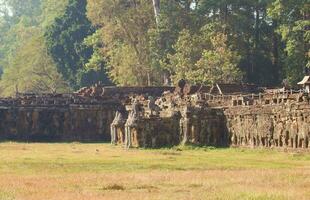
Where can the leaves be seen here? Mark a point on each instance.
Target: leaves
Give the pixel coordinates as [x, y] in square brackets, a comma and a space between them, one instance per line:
[65, 43]
[23, 54]
[294, 30]
[204, 41]
[204, 58]
[32, 70]
[125, 31]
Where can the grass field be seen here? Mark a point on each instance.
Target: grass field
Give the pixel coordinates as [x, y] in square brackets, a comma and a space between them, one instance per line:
[101, 171]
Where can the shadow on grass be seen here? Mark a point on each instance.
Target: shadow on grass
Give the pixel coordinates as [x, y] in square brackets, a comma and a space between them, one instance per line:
[186, 147]
[113, 187]
[54, 142]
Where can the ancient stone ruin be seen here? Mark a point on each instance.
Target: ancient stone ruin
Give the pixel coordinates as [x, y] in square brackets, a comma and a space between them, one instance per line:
[82, 116]
[222, 115]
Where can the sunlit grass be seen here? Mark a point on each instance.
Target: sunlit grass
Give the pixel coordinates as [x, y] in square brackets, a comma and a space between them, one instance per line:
[102, 171]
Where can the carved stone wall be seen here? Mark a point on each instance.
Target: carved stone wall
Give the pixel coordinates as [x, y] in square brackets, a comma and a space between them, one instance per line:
[200, 127]
[59, 123]
[85, 115]
[206, 126]
[280, 121]
[278, 118]
[153, 133]
[284, 125]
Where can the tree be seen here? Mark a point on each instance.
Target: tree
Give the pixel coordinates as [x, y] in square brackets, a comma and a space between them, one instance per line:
[249, 29]
[204, 57]
[31, 69]
[23, 54]
[293, 26]
[173, 18]
[65, 43]
[188, 50]
[125, 28]
[96, 67]
[156, 5]
[217, 64]
[13, 15]
[51, 9]
[251, 33]
[143, 42]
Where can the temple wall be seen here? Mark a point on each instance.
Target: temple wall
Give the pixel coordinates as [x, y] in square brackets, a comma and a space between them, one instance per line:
[85, 115]
[207, 127]
[281, 125]
[199, 126]
[155, 132]
[56, 123]
[156, 119]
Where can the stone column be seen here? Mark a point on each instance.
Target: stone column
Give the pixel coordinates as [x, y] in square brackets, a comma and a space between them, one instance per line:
[116, 127]
[128, 142]
[113, 134]
[131, 123]
[185, 126]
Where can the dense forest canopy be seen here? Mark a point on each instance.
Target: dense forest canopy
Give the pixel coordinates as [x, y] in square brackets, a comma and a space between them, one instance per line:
[59, 46]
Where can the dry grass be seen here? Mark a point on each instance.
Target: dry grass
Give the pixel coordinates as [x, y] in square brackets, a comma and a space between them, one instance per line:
[100, 171]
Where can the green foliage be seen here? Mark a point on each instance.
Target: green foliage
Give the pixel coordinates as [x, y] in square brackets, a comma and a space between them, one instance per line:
[175, 45]
[64, 39]
[23, 56]
[174, 18]
[293, 19]
[204, 57]
[204, 41]
[32, 70]
[96, 66]
[14, 16]
[51, 9]
[126, 28]
[251, 34]
[217, 64]
[188, 51]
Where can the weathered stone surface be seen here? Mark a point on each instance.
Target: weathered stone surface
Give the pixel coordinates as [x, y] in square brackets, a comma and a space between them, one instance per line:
[55, 117]
[150, 117]
[279, 119]
[285, 125]
[55, 124]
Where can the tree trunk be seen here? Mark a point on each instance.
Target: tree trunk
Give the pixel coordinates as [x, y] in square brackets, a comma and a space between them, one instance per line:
[156, 5]
[275, 52]
[306, 17]
[149, 82]
[257, 22]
